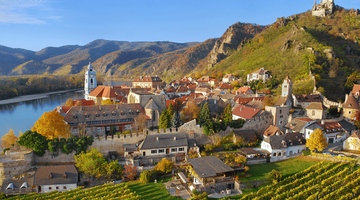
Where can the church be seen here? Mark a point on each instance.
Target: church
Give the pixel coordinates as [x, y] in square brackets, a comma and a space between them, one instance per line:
[90, 81]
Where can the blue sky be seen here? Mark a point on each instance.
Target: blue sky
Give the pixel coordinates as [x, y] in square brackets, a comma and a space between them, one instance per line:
[36, 24]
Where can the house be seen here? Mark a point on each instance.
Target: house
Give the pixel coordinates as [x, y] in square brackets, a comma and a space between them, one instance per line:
[213, 81]
[56, 178]
[260, 74]
[351, 107]
[316, 110]
[225, 88]
[280, 114]
[209, 170]
[244, 112]
[98, 120]
[243, 90]
[299, 124]
[101, 93]
[282, 146]
[352, 142]
[164, 144]
[182, 91]
[304, 100]
[255, 104]
[204, 80]
[202, 90]
[255, 119]
[332, 130]
[356, 91]
[146, 82]
[286, 93]
[228, 78]
[248, 135]
[272, 130]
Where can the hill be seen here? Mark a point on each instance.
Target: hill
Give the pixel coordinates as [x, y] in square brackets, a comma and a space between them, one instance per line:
[287, 47]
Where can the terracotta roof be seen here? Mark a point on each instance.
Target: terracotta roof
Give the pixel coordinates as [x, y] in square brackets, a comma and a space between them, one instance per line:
[224, 86]
[57, 173]
[194, 95]
[213, 79]
[203, 79]
[315, 106]
[147, 79]
[206, 90]
[192, 87]
[351, 103]
[272, 130]
[103, 91]
[245, 100]
[83, 102]
[297, 124]
[356, 89]
[328, 127]
[182, 89]
[170, 90]
[308, 98]
[245, 112]
[355, 134]
[242, 90]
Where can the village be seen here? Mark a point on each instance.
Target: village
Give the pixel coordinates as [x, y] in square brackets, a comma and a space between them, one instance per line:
[205, 133]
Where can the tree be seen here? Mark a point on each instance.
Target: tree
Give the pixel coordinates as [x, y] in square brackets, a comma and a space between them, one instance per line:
[113, 169]
[107, 102]
[240, 159]
[197, 74]
[20, 134]
[8, 139]
[130, 171]
[176, 121]
[164, 166]
[147, 176]
[91, 163]
[205, 114]
[190, 112]
[141, 120]
[69, 102]
[165, 118]
[269, 100]
[273, 176]
[34, 141]
[227, 115]
[317, 141]
[171, 109]
[51, 125]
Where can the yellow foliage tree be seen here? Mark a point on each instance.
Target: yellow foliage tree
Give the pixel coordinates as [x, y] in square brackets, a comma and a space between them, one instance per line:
[51, 125]
[164, 166]
[317, 141]
[107, 102]
[69, 102]
[8, 139]
[190, 112]
[20, 134]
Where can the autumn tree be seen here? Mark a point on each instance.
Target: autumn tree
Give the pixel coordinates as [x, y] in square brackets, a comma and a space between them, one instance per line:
[8, 139]
[51, 125]
[268, 100]
[273, 176]
[130, 171]
[147, 176]
[190, 112]
[240, 160]
[141, 121]
[107, 102]
[197, 74]
[20, 134]
[317, 141]
[69, 102]
[227, 115]
[164, 121]
[164, 166]
[91, 163]
[171, 110]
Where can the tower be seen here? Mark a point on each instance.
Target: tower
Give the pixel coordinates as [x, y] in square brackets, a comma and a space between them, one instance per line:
[90, 81]
[286, 87]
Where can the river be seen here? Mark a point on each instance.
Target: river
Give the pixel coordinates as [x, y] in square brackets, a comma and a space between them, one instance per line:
[21, 116]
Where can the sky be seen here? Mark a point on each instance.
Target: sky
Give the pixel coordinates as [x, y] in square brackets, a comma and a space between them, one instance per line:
[36, 24]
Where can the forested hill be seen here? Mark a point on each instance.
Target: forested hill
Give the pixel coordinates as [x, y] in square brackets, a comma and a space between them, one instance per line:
[330, 44]
[71, 59]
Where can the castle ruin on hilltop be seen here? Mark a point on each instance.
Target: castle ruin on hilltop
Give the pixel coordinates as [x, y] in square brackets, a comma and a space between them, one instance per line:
[323, 8]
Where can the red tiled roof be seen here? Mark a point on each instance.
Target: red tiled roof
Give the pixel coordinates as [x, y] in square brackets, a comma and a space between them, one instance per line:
[182, 89]
[243, 90]
[203, 79]
[103, 91]
[272, 130]
[356, 89]
[351, 103]
[305, 119]
[308, 98]
[245, 112]
[330, 127]
[245, 100]
[83, 102]
[224, 86]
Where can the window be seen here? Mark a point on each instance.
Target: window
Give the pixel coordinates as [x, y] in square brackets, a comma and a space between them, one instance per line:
[181, 149]
[274, 154]
[50, 188]
[281, 116]
[64, 187]
[91, 80]
[57, 187]
[349, 112]
[313, 113]
[173, 149]
[279, 153]
[280, 111]
[161, 150]
[280, 122]
[153, 151]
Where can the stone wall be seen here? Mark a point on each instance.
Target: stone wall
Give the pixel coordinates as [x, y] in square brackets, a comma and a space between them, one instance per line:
[59, 157]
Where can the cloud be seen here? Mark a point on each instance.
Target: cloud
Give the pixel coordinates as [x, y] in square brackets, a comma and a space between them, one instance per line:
[22, 11]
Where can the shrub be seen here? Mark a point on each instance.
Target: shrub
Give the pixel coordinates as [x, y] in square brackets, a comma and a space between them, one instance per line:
[228, 146]
[203, 154]
[164, 166]
[193, 154]
[246, 168]
[273, 176]
[147, 176]
[209, 147]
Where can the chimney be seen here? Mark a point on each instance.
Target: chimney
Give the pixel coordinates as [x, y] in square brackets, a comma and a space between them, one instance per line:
[99, 107]
[174, 138]
[322, 122]
[64, 175]
[254, 109]
[50, 176]
[117, 106]
[157, 138]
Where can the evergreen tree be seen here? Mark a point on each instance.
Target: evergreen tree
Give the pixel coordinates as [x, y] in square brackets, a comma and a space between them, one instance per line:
[164, 121]
[205, 114]
[171, 110]
[227, 115]
[176, 121]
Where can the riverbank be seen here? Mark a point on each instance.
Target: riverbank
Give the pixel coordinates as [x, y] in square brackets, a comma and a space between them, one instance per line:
[34, 96]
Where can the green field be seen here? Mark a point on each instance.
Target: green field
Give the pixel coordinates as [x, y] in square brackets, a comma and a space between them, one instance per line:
[151, 190]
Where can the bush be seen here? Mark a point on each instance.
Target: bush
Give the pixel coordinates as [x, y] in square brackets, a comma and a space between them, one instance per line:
[203, 154]
[246, 168]
[228, 146]
[209, 147]
[273, 176]
[148, 176]
[306, 153]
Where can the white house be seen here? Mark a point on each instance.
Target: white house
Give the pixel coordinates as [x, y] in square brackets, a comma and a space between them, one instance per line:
[56, 178]
[228, 78]
[352, 142]
[332, 130]
[164, 144]
[260, 74]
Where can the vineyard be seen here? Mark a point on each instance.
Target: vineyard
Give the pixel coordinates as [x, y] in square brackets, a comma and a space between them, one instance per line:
[323, 181]
[106, 191]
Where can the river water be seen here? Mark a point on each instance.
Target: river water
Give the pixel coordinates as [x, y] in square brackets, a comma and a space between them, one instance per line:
[22, 116]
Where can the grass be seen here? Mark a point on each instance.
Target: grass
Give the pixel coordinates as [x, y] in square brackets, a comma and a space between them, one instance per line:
[286, 168]
[151, 190]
